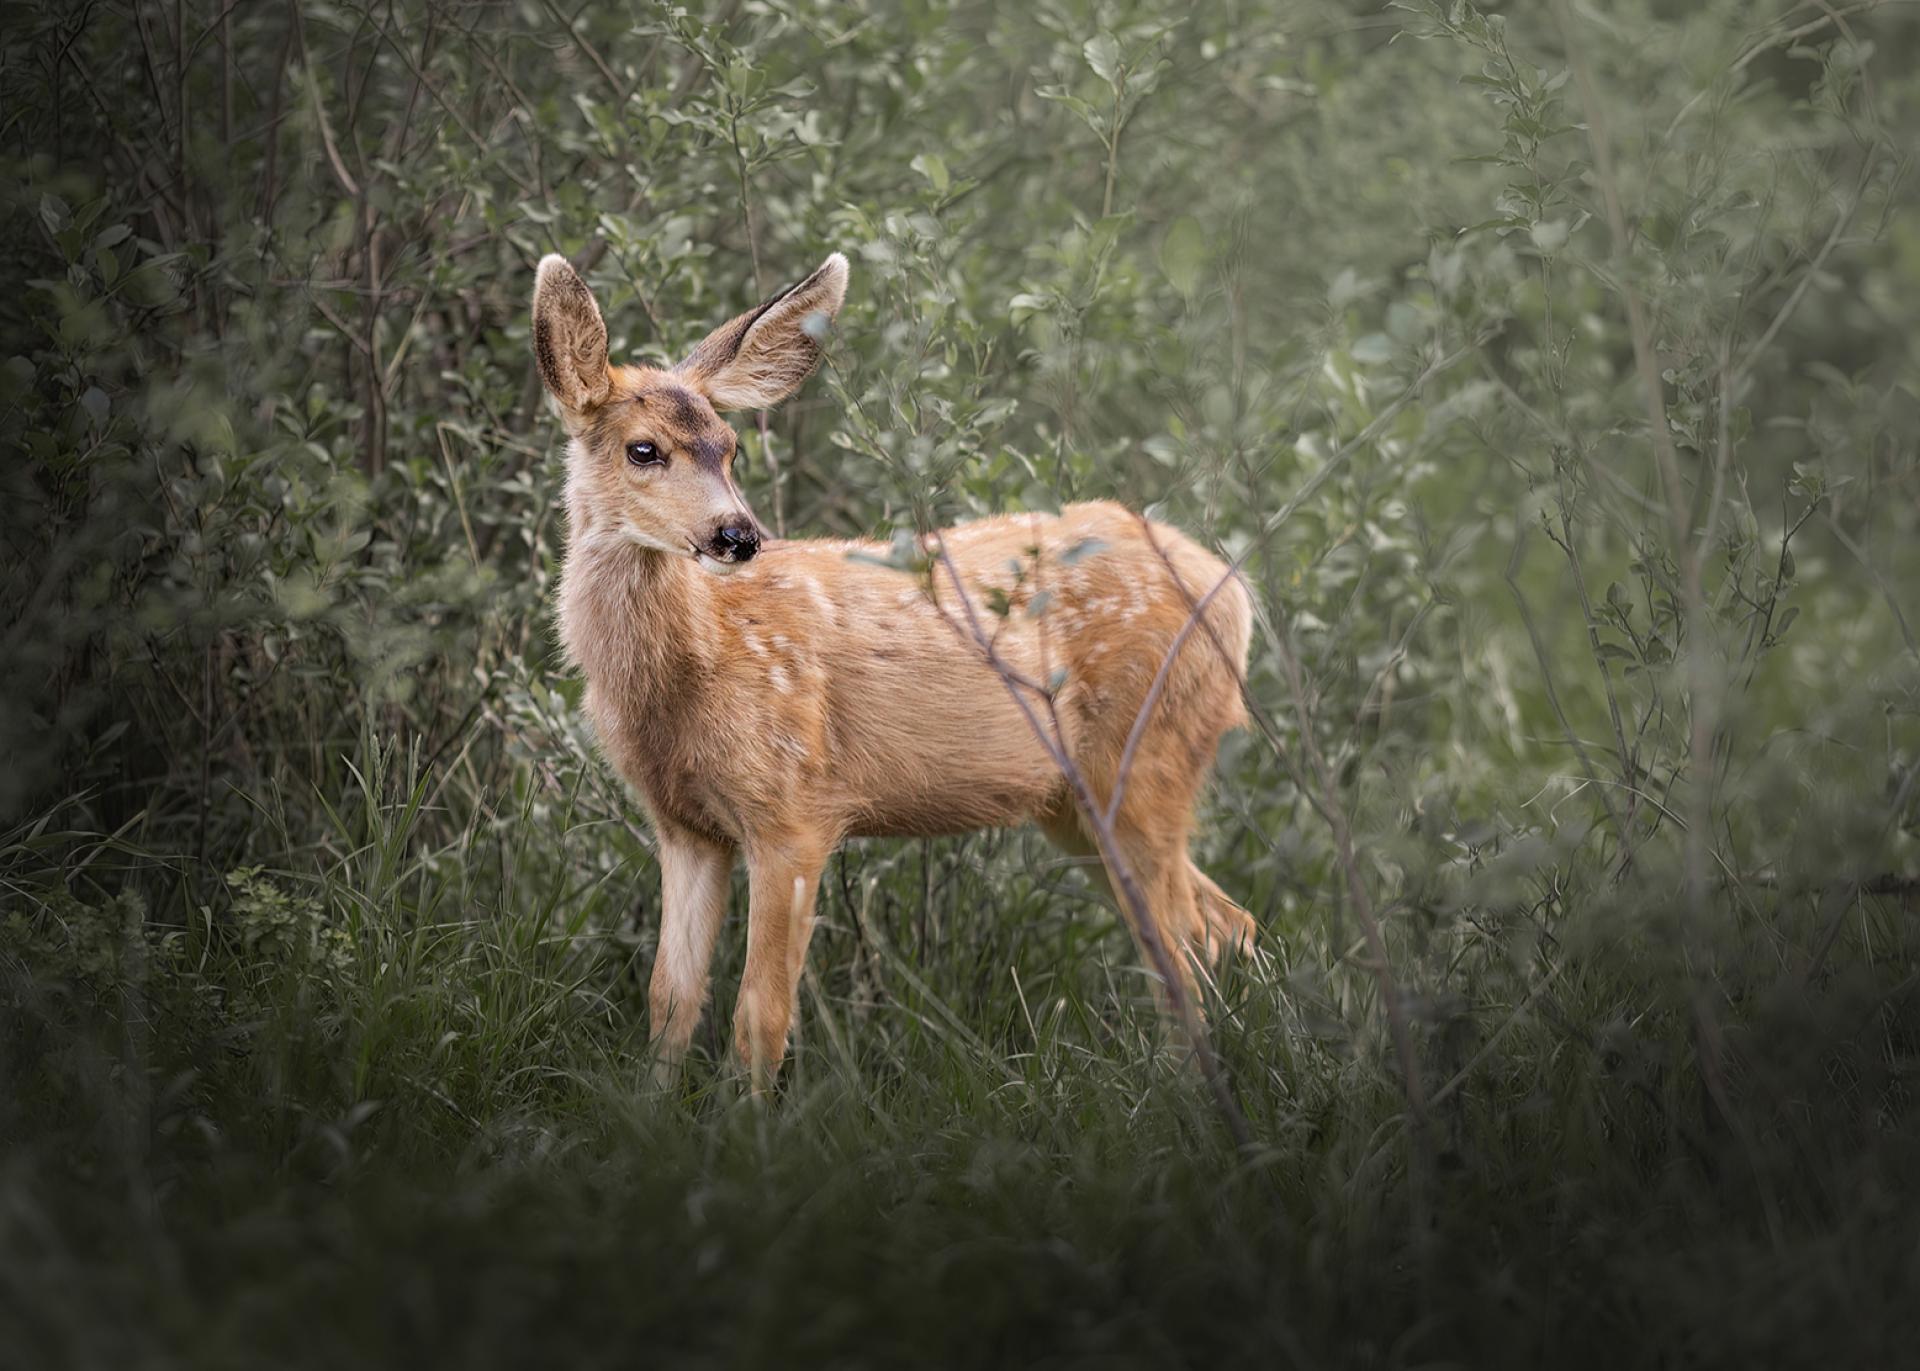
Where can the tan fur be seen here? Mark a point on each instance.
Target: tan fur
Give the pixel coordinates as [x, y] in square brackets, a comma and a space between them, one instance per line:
[812, 696]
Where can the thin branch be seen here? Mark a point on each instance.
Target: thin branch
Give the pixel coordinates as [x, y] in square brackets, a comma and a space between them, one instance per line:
[1761, 46]
[340, 172]
[1638, 327]
[1553, 695]
[1381, 964]
[1786, 310]
[593, 54]
[1702, 695]
[1145, 713]
[1132, 900]
[1363, 437]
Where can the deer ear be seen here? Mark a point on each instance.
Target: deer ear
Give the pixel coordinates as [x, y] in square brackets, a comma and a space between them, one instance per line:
[569, 337]
[762, 357]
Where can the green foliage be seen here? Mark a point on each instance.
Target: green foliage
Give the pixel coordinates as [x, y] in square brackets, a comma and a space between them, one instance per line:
[1553, 376]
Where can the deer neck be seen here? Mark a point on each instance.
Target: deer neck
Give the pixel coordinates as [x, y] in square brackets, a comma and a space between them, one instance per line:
[638, 624]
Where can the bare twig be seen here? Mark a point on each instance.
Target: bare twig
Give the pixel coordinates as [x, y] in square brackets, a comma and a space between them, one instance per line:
[1553, 695]
[1194, 615]
[1638, 326]
[1363, 437]
[1380, 963]
[1465, 1073]
[340, 172]
[1859, 553]
[593, 54]
[1786, 310]
[1132, 900]
[1761, 46]
[269, 180]
[1569, 546]
[1703, 694]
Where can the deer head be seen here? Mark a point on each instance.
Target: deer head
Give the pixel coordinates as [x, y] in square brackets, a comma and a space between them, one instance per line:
[651, 455]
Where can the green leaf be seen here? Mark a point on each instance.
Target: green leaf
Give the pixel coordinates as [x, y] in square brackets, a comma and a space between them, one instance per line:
[1183, 254]
[1549, 235]
[1061, 95]
[1025, 305]
[1346, 288]
[54, 212]
[16, 375]
[149, 286]
[1103, 54]
[930, 165]
[1372, 350]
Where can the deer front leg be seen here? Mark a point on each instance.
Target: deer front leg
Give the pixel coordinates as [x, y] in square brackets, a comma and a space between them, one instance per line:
[783, 880]
[693, 900]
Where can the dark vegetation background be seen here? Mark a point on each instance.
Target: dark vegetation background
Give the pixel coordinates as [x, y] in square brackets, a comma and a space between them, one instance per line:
[1558, 379]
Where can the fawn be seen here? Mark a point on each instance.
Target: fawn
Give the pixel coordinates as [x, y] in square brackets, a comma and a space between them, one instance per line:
[776, 697]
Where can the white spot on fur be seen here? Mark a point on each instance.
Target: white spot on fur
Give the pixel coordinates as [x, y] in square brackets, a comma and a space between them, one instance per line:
[822, 602]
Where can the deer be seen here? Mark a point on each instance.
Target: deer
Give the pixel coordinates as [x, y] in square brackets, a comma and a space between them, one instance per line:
[771, 698]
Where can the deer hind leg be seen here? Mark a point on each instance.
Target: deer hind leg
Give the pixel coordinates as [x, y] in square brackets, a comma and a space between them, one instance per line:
[693, 899]
[1158, 792]
[1213, 924]
[1227, 927]
[784, 880]
[1153, 858]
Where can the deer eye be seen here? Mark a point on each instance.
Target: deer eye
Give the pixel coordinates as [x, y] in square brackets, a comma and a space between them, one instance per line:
[645, 455]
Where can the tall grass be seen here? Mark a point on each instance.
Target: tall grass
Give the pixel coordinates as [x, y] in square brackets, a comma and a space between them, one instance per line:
[1554, 377]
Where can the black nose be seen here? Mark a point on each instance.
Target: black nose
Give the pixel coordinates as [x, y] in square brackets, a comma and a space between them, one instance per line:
[736, 542]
